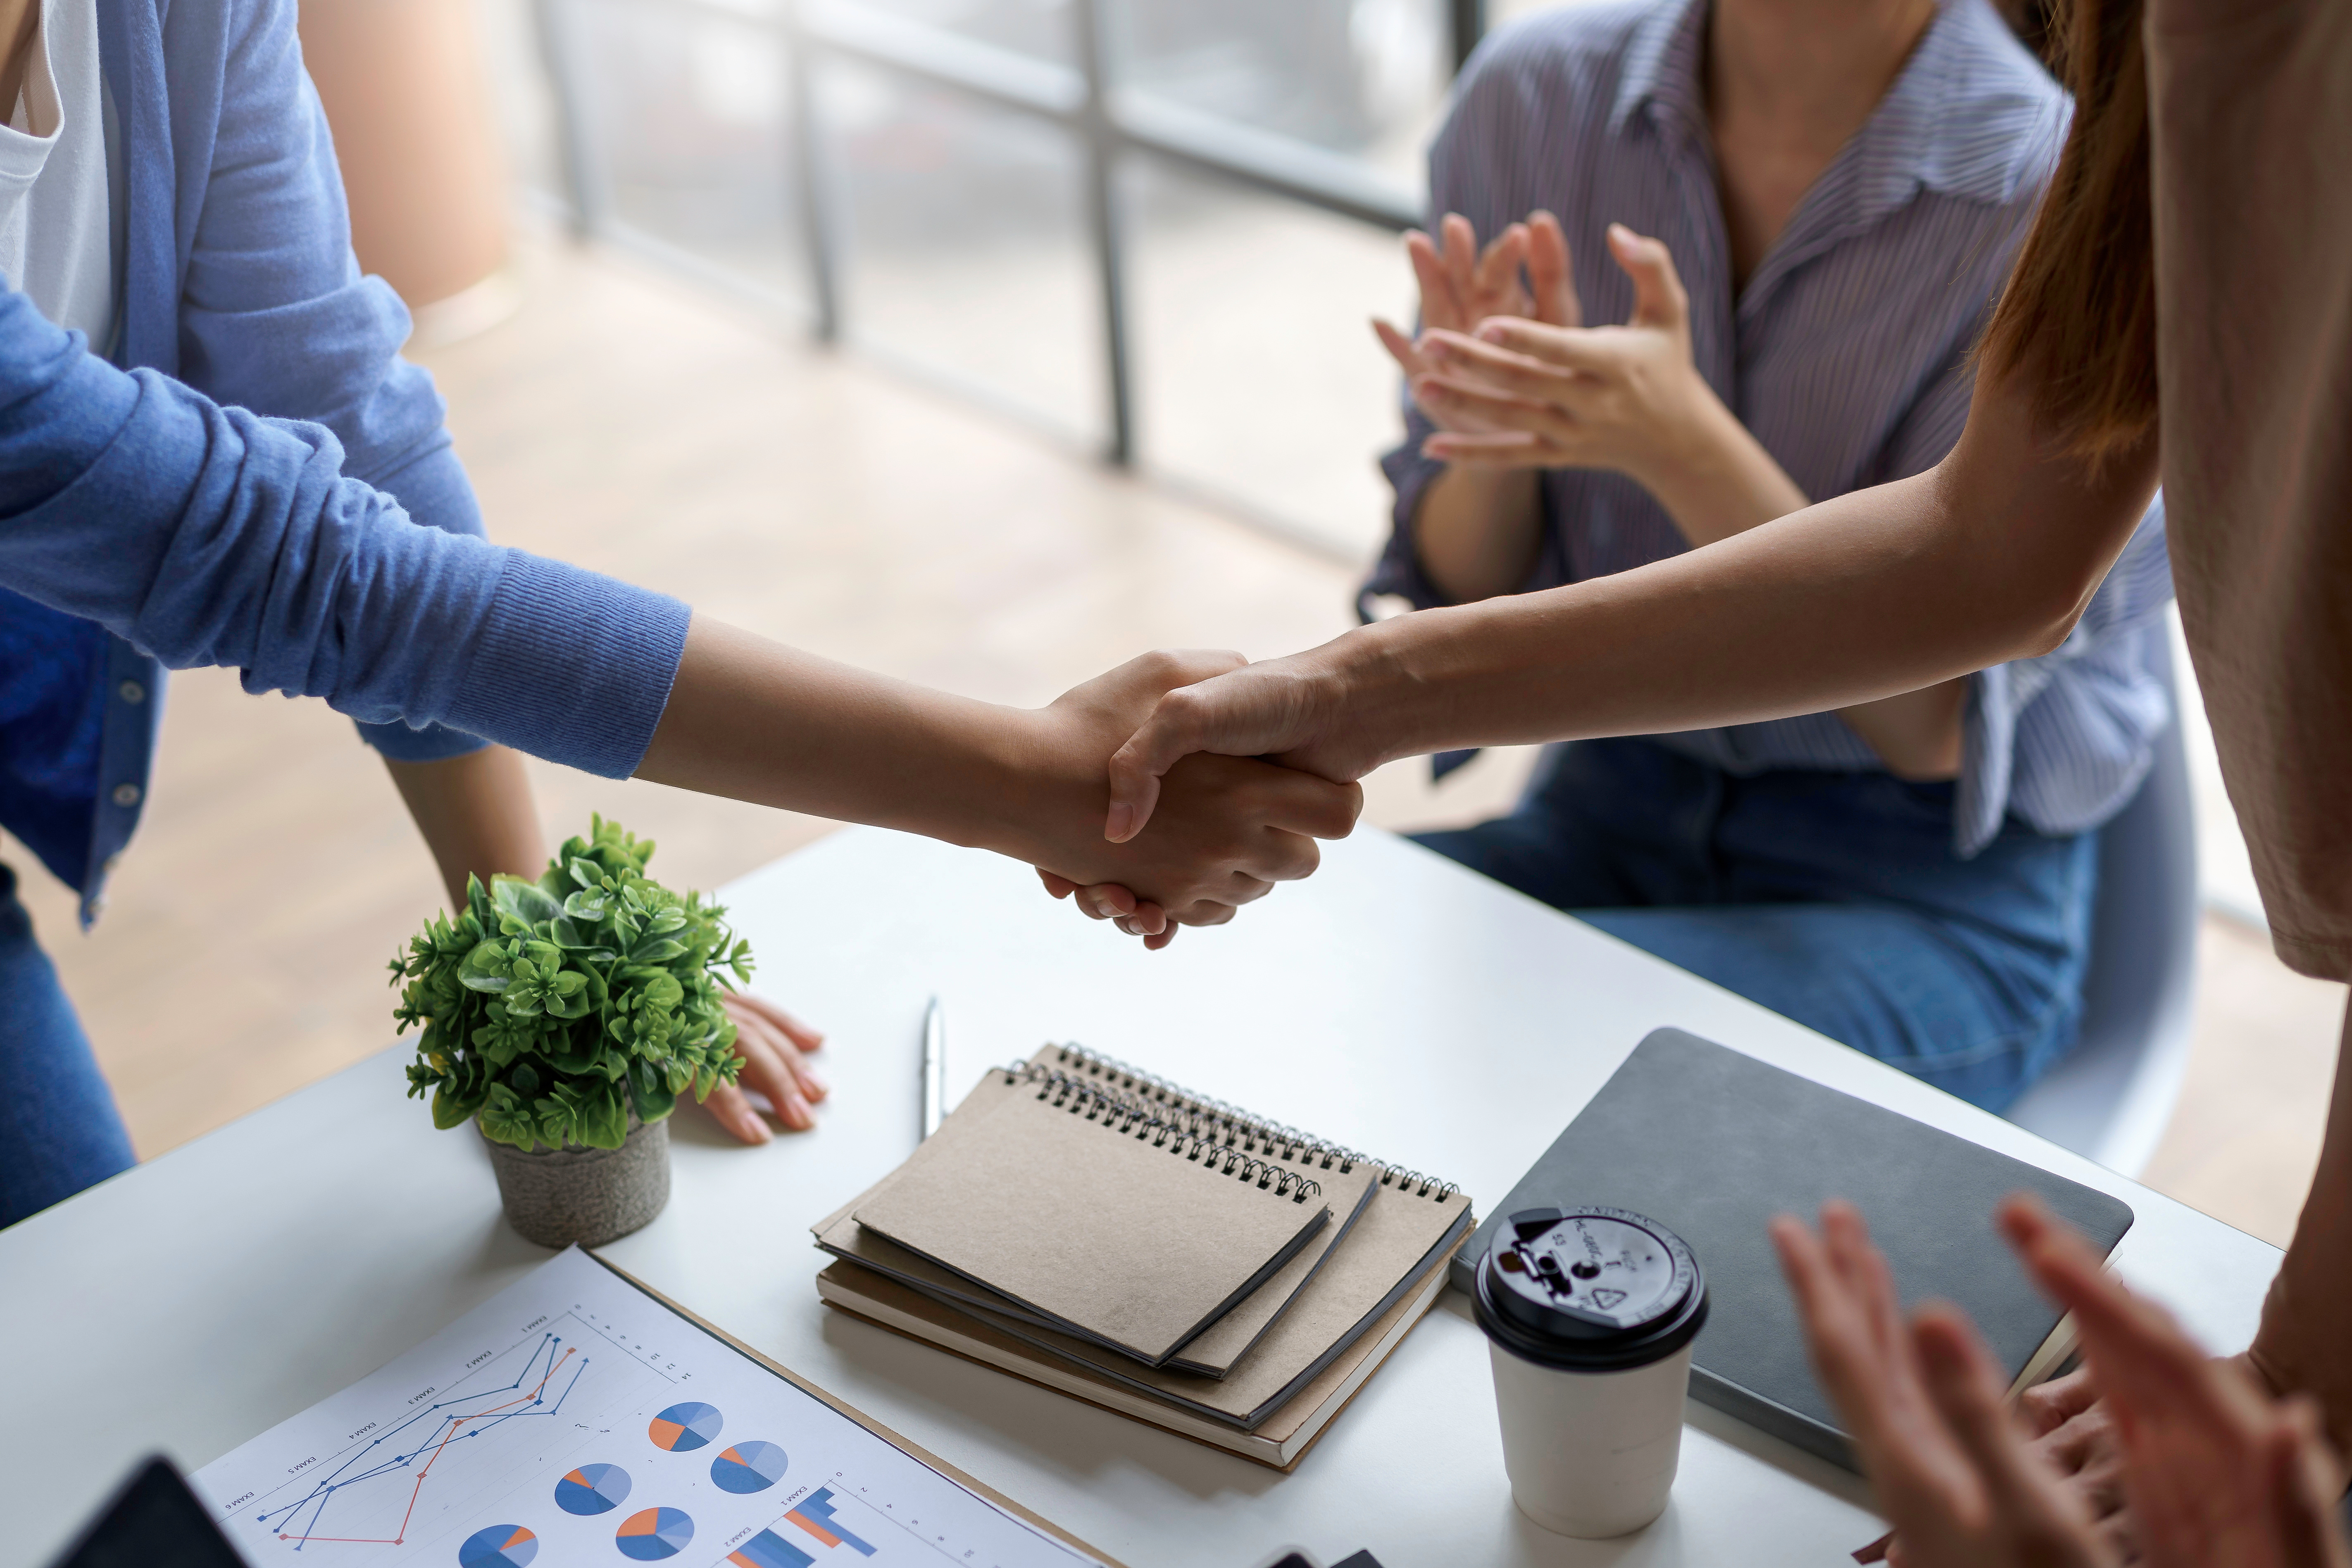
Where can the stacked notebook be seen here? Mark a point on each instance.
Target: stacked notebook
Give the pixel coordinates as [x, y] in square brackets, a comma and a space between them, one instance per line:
[1106, 1234]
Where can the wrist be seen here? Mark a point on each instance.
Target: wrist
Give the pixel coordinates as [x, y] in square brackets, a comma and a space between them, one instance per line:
[1711, 474]
[1031, 778]
[1381, 685]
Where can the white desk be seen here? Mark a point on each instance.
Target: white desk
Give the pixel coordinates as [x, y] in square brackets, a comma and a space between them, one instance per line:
[1395, 1003]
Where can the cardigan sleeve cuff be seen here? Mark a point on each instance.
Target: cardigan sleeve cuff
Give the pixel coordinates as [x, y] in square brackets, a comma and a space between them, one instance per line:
[573, 667]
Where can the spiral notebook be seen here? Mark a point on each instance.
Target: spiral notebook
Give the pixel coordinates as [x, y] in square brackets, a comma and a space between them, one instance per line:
[1265, 1378]
[1212, 1353]
[1101, 1212]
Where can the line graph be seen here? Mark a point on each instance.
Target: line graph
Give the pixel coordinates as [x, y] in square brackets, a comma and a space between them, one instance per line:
[573, 1420]
[426, 1436]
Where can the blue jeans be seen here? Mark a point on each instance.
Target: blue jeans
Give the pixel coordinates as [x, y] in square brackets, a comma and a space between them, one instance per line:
[1833, 899]
[59, 1131]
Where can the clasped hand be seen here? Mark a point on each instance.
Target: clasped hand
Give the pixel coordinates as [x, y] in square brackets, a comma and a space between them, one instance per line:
[1226, 829]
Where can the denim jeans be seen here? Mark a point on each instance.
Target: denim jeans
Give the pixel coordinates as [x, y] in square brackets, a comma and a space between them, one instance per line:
[59, 1131]
[1835, 900]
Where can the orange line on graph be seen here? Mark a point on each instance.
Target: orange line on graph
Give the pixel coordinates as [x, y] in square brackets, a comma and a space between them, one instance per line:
[447, 1438]
[813, 1529]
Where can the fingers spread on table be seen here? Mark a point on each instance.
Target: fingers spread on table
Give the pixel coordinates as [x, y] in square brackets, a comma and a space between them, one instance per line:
[731, 1108]
[800, 1034]
[769, 1063]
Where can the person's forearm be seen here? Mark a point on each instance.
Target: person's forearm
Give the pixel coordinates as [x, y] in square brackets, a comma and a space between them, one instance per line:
[1477, 530]
[476, 815]
[2303, 1345]
[1723, 482]
[753, 719]
[1988, 557]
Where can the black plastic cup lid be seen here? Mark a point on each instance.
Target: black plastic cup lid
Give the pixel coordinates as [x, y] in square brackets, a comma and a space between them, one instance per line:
[1590, 1289]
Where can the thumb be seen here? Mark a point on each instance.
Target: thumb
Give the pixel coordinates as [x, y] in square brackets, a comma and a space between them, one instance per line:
[1173, 732]
[1658, 297]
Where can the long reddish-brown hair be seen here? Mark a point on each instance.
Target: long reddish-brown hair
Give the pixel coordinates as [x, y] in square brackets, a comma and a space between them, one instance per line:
[2078, 317]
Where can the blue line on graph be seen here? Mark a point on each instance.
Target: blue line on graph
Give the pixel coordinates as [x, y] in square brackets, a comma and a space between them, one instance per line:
[446, 1420]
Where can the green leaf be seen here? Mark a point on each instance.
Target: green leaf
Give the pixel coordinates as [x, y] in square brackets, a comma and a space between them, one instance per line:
[656, 949]
[589, 904]
[516, 898]
[452, 1109]
[485, 968]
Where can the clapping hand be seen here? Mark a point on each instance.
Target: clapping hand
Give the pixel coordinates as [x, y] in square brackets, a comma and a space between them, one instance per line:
[2216, 1472]
[1540, 394]
[1523, 273]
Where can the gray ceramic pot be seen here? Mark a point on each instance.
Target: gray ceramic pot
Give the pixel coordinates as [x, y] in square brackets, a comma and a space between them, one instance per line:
[558, 1196]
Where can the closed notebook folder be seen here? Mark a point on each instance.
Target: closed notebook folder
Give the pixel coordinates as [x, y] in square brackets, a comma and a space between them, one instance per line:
[1087, 1208]
[1712, 1143]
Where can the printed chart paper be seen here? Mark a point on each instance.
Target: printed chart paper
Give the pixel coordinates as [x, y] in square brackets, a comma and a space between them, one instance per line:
[573, 1420]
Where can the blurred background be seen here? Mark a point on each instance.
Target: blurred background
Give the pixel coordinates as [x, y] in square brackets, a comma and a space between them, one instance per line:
[983, 341]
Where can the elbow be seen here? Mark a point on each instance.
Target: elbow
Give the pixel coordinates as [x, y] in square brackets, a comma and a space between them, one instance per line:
[2049, 620]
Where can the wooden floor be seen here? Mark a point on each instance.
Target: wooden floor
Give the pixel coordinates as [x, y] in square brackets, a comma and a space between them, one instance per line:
[626, 422]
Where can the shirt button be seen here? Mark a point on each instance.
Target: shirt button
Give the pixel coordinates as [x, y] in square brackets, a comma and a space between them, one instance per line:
[130, 691]
[126, 795]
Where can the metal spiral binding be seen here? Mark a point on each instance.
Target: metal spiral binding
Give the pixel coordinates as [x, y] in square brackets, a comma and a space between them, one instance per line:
[1164, 1113]
[1137, 1119]
[1229, 1125]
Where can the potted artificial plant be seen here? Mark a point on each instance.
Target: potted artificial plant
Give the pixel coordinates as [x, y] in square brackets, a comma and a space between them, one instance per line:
[564, 1018]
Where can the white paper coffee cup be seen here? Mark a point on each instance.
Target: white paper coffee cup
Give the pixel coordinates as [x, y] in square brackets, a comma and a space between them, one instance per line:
[1588, 1315]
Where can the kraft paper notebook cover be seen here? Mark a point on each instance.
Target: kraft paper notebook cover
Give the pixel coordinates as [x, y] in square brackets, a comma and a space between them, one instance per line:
[1712, 1143]
[1362, 1283]
[1279, 1441]
[1117, 1225]
[1349, 1189]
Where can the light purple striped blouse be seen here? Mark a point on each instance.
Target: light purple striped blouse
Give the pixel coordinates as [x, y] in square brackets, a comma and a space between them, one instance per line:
[1847, 354]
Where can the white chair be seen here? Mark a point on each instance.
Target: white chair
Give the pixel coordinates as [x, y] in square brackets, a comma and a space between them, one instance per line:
[2112, 1098]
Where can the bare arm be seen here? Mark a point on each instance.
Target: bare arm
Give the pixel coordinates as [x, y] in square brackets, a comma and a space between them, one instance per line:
[755, 721]
[1990, 557]
[1517, 396]
[475, 813]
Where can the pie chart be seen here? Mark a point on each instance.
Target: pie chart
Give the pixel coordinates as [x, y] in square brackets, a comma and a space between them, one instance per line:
[501, 1546]
[656, 1533]
[593, 1489]
[748, 1468]
[684, 1427]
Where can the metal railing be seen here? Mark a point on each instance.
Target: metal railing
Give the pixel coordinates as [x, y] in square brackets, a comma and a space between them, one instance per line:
[1109, 121]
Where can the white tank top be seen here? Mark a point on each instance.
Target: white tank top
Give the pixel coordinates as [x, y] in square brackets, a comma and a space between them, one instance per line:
[55, 218]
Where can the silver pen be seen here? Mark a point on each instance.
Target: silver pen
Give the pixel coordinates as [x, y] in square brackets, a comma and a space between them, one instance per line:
[934, 1066]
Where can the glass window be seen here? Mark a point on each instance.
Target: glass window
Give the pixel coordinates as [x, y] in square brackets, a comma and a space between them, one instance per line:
[1259, 378]
[1041, 29]
[1361, 77]
[688, 115]
[965, 242]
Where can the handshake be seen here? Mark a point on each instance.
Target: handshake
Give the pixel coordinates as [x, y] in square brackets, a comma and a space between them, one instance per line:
[1144, 824]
